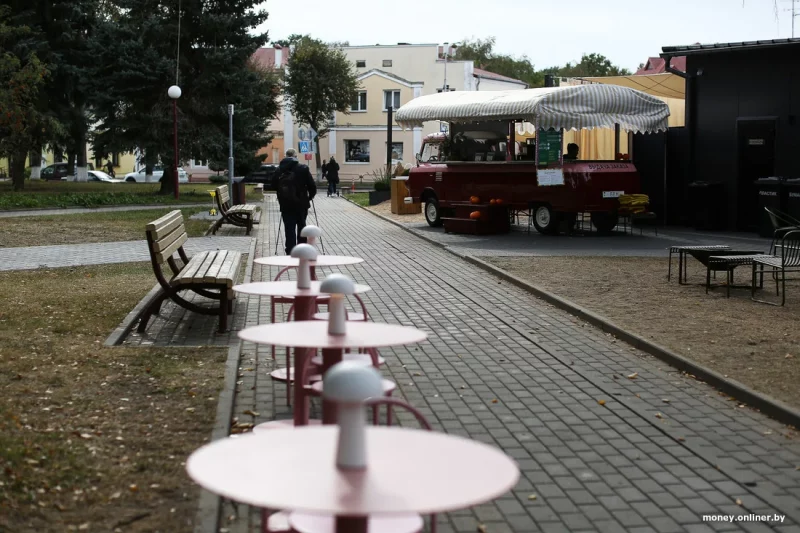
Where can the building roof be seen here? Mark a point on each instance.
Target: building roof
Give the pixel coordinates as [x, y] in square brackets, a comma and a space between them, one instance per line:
[658, 65]
[480, 73]
[388, 75]
[695, 49]
[265, 56]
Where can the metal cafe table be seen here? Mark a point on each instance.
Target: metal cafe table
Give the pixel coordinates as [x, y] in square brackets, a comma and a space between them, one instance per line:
[408, 471]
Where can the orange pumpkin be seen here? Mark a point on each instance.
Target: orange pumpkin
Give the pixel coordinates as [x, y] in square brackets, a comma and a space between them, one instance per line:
[475, 215]
[492, 201]
[498, 201]
[474, 199]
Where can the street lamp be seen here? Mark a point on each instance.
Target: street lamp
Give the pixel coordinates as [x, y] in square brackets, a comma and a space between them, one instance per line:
[174, 92]
[447, 47]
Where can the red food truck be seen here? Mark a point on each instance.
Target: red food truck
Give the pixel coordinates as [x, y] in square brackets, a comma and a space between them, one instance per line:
[479, 158]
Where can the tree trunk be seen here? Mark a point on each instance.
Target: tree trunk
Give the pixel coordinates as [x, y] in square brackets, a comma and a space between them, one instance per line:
[317, 156]
[71, 163]
[81, 174]
[18, 171]
[36, 164]
[168, 180]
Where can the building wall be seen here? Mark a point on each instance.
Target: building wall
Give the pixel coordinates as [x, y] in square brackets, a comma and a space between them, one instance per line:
[375, 115]
[741, 85]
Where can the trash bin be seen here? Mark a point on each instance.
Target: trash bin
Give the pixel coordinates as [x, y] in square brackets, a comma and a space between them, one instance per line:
[708, 205]
[238, 194]
[770, 194]
[791, 191]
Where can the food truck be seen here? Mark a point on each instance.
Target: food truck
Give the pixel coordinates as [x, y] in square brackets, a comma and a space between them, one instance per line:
[479, 159]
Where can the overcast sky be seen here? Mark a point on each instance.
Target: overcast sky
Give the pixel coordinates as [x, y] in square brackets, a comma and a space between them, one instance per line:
[547, 31]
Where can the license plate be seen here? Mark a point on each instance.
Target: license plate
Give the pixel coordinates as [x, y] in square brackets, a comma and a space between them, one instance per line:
[612, 194]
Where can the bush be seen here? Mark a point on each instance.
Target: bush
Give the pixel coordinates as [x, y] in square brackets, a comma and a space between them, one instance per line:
[27, 173]
[407, 171]
[216, 178]
[381, 180]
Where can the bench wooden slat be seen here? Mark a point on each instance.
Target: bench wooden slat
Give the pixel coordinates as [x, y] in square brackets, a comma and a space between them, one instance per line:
[166, 253]
[243, 208]
[164, 225]
[164, 242]
[223, 194]
[215, 270]
[189, 271]
[202, 269]
[231, 267]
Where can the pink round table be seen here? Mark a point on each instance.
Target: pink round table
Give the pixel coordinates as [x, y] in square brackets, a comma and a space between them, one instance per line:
[314, 334]
[304, 303]
[408, 471]
[320, 261]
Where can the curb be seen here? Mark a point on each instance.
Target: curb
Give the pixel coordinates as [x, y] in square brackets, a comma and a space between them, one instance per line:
[122, 331]
[209, 505]
[769, 406]
[11, 213]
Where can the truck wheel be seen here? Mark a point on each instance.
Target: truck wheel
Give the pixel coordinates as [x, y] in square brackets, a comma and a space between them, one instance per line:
[605, 222]
[432, 213]
[545, 220]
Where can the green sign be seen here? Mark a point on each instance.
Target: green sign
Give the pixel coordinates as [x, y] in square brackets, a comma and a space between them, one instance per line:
[548, 146]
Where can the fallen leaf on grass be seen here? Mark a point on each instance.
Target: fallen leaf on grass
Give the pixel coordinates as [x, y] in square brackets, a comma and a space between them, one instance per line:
[494, 401]
[681, 439]
[532, 497]
[789, 356]
[115, 495]
[665, 400]
[633, 376]
[133, 488]
[83, 527]
[601, 402]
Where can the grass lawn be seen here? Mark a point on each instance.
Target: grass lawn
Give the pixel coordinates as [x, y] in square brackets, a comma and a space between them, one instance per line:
[95, 438]
[89, 227]
[360, 198]
[38, 194]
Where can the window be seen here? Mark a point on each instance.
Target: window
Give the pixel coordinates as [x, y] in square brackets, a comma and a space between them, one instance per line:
[391, 98]
[397, 151]
[115, 159]
[356, 151]
[387, 62]
[361, 63]
[359, 102]
[431, 153]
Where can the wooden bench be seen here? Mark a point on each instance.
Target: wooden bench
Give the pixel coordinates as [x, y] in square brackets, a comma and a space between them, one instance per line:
[209, 274]
[243, 215]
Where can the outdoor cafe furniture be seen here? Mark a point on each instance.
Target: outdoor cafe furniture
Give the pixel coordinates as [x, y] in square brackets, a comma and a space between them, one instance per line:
[727, 263]
[352, 472]
[682, 250]
[333, 337]
[787, 261]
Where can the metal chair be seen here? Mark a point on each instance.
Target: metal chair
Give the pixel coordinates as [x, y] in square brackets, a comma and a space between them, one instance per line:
[787, 261]
[781, 224]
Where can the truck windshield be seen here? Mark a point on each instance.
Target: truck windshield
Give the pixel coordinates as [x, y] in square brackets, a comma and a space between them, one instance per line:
[431, 153]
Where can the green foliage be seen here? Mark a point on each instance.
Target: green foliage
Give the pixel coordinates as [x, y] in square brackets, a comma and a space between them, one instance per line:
[216, 178]
[360, 198]
[320, 81]
[481, 52]
[382, 181]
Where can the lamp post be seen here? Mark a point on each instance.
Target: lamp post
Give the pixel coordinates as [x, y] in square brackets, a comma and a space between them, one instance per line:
[174, 92]
[447, 47]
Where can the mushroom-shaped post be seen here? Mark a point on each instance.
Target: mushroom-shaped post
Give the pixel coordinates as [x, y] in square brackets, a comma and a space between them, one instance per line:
[348, 385]
[337, 285]
[306, 253]
[311, 233]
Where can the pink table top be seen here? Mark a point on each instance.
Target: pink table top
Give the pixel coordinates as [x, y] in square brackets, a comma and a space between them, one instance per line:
[321, 261]
[409, 471]
[286, 288]
[314, 334]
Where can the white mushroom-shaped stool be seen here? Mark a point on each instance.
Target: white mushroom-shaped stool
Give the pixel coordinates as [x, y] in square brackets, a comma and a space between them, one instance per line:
[305, 253]
[338, 286]
[311, 233]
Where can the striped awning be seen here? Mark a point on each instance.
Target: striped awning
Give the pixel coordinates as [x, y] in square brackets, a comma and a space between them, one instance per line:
[572, 108]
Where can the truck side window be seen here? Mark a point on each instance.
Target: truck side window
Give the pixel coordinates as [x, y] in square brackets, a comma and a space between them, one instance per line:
[431, 153]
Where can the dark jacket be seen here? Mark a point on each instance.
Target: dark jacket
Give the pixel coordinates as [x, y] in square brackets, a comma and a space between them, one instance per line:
[333, 171]
[303, 182]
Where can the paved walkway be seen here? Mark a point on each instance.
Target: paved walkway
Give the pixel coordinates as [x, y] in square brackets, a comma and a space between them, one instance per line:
[502, 367]
[79, 210]
[66, 255]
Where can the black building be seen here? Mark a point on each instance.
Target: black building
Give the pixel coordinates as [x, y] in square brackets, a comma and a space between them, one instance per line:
[742, 104]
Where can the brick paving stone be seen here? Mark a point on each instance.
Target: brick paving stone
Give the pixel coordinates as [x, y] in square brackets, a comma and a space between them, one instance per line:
[594, 468]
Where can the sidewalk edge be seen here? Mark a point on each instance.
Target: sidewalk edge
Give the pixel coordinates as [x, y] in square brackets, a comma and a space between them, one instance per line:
[769, 406]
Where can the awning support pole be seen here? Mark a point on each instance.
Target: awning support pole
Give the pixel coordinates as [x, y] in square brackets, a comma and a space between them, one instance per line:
[616, 140]
[512, 142]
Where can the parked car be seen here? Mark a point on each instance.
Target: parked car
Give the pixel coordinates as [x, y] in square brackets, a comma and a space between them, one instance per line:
[158, 172]
[99, 175]
[265, 175]
[61, 171]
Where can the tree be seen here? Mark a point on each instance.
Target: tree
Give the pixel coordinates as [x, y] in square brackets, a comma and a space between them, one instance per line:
[593, 65]
[320, 81]
[481, 53]
[135, 60]
[23, 123]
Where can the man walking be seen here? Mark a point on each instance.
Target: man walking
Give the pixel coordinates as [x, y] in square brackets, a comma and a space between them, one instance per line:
[296, 189]
[333, 177]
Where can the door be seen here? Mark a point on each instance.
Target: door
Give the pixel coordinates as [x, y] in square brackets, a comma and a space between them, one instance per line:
[756, 143]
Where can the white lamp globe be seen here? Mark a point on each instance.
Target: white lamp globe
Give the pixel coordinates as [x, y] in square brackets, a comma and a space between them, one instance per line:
[174, 92]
